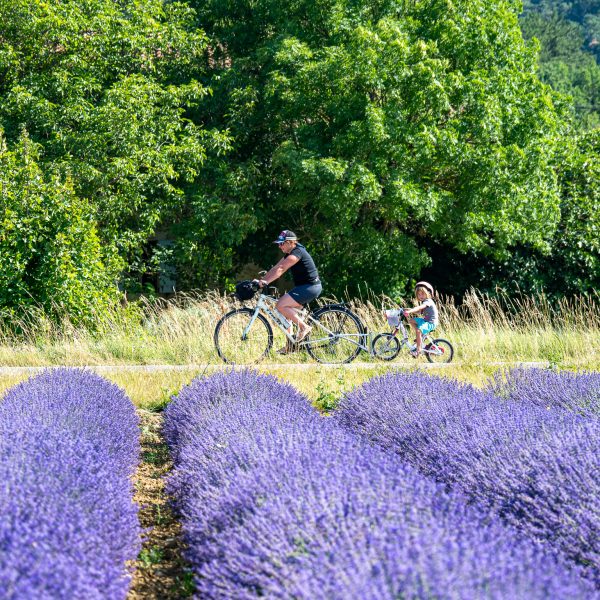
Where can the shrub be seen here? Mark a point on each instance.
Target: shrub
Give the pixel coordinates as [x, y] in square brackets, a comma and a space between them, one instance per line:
[68, 446]
[537, 469]
[279, 502]
[578, 392]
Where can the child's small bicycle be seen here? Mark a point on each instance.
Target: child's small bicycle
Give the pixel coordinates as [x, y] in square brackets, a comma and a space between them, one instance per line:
[386, 346]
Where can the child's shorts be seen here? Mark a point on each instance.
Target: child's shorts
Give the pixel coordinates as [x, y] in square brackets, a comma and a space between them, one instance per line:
[424, 326]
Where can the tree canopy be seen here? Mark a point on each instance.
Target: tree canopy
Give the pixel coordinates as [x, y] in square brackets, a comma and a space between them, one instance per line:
[371, 128]
[398, 138]
[103, 88]
[50, 250]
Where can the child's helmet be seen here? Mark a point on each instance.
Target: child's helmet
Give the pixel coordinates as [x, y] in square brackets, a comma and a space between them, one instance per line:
[426, 285]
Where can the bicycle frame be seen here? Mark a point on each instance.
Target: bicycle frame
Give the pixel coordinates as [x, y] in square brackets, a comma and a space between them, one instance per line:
[400, 327]
[266, 305]
[263, 305]
[427, 339]
[362, 340]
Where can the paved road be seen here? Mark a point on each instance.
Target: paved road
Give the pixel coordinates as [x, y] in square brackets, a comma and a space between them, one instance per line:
[221, 366]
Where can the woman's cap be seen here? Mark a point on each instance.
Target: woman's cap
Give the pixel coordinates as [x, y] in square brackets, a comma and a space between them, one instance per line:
[285, 236]
[424, 284]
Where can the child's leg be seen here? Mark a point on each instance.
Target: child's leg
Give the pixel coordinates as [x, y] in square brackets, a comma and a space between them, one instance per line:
[422, 328]
[413, 325]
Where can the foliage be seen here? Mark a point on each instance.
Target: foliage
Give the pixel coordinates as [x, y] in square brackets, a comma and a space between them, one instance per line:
[394, 137]
[51, 256]
[571, 267]
[279, 502]
[69, 524]
[536, 468]
[104, 88]
[577, 248]
[370, 129]
[582, 12]
[565, 62]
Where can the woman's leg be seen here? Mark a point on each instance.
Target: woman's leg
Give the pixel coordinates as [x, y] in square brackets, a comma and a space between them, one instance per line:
[288, 307]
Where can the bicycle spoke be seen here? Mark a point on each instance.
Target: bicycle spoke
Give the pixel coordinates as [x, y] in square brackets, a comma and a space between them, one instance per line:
[336, 336]
[386, 346]
[239, 340]
[439, 350]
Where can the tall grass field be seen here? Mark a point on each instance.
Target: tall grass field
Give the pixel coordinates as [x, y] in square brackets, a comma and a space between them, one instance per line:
[488, 333]
[179, 331]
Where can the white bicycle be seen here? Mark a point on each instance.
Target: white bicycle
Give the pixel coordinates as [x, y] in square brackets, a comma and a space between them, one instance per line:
[245, 335]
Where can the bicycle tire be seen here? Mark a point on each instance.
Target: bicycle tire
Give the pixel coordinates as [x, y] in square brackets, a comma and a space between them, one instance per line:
[390, 346]
[334, 349]
[234, 350]
[447, 351]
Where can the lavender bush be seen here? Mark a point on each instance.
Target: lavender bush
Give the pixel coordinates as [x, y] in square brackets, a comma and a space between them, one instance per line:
[68, 447]
[279, 502]
[538, 469]
[578, 392]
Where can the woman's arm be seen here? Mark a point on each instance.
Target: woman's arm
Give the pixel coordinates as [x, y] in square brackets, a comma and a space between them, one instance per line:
[279, 269]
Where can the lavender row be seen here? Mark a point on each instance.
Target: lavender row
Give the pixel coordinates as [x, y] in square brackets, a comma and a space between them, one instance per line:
[68, 447]
[539, 470]
[279, 502]
[578, 392]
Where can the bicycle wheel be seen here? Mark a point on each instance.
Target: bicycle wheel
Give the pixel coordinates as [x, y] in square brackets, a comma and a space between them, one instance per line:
[439, 351]
[386, 346]
[336, 336]
[233, 346]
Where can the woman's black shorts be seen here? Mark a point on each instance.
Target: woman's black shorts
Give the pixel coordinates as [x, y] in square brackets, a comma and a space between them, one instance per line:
[303, 294]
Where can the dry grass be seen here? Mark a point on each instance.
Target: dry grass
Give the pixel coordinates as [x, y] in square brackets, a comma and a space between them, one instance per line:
[323, 385]
[484, 330]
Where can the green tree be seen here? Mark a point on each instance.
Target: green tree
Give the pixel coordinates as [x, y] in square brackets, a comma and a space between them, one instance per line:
[51, 256]
[576, 251]
[565, 64]
[373, 128]
[105, 89]
[573, 264]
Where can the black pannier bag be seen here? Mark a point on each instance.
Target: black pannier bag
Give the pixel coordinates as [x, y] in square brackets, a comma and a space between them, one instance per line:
[245, 290]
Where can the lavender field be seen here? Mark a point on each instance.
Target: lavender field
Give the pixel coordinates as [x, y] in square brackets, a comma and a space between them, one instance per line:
[527, 448]
[414, 487]
[68, 447]
[279, 502]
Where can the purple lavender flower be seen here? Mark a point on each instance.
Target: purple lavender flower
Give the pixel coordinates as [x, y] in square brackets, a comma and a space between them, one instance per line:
[279, 502]
[578, 392]
[538, 469]
[68, 446]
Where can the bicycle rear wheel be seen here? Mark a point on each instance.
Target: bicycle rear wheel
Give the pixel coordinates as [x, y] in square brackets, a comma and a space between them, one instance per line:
[235, 345]
[439, 351]
[336, 337]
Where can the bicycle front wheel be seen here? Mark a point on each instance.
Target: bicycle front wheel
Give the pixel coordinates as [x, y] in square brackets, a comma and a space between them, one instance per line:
[386, 346]
[239, 341]
[336, 337]
[439, 351]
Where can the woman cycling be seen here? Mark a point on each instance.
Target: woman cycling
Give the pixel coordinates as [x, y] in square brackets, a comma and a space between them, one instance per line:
[307, 285]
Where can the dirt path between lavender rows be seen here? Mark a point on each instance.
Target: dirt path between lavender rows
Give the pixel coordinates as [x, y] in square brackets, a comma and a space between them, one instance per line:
[160, 571]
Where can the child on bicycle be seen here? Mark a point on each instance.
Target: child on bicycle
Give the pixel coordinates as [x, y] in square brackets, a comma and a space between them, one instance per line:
[424, 325]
